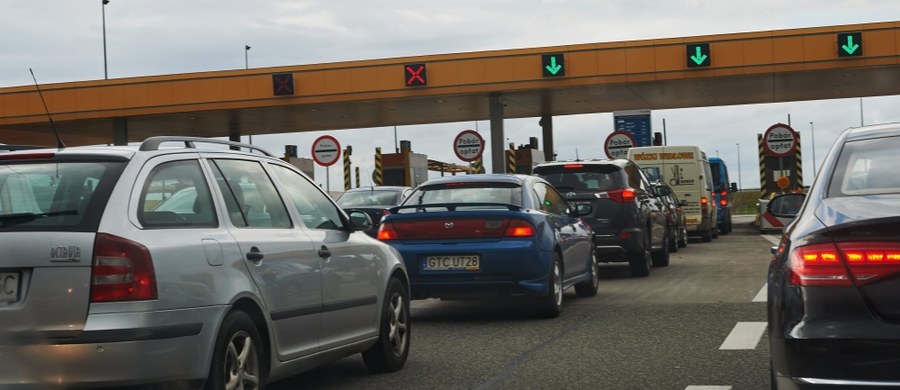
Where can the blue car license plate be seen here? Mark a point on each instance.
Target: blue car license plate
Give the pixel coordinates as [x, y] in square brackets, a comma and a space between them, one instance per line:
[452, 263]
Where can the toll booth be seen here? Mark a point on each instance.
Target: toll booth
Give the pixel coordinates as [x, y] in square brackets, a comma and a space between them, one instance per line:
[305, 165]
[405, 168]
[527, 156]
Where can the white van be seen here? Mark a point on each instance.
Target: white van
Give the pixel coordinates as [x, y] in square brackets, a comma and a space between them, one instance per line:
[686, 170]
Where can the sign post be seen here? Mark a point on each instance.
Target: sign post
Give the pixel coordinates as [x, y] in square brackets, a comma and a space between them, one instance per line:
[325, 151]
[618, 143]
[468, 145]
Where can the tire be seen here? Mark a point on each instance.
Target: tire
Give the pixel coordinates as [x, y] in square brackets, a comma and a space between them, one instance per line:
[661, 257]
[239, 357]
[723, 229]
[706, 235]
[715, 231]
[390, 352]
[639, 264]
[589, 288]
[551, 305]
[673, 241]
[683, 241]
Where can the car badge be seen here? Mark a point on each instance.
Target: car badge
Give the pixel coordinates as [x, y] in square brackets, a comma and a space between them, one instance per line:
[570, 195]
[448, 225]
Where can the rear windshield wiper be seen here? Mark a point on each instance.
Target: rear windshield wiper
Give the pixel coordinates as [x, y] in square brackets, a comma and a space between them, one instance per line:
[25, 217]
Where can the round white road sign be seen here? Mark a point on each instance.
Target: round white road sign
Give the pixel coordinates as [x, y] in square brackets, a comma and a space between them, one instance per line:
[618, 143]
[468, 145]
[780, 140]
[326, 150]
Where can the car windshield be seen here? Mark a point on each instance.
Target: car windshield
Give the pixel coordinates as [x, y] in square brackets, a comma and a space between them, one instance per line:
[368, 198]
[468, 192]
[866, 167]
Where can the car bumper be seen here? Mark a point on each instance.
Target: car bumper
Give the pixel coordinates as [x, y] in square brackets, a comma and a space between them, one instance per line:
[506, 268]
[114, 350]
[616, 247]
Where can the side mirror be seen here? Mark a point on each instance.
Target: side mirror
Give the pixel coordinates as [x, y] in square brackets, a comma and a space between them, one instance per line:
[734, 187]
[786, 205]
[360, 221]
[683, 203]
[581, 210]
[663, 191]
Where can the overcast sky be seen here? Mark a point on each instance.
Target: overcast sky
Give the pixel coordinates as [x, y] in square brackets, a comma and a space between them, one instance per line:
[62, 41]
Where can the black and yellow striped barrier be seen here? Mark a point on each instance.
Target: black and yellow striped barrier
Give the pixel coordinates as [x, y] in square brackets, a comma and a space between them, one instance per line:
[511, 158]
[379, 168]
[347, 168]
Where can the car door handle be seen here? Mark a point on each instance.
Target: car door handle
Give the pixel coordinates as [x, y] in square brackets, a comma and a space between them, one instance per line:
[324, 252]
[254, 255]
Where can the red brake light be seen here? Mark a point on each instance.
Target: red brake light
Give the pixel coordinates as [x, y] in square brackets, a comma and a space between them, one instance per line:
[724, 193]
[827, 264]
[386, 232]
[519, 228]
[626, 195]
[703, 200]
[723, 202]
[573, 166]
[122, 271]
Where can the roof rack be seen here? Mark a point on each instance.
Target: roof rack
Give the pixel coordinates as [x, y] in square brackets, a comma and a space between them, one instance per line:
[153, 143]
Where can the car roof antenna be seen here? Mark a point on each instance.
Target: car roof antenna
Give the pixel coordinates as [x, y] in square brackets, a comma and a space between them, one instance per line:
[59, 142]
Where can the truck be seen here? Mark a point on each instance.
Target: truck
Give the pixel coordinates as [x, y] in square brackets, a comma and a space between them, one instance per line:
[687, 171]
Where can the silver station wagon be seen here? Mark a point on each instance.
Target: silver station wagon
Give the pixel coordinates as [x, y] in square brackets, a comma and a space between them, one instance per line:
[171, 262]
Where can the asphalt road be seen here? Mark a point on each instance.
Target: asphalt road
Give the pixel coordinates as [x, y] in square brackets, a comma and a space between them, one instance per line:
[692, 325]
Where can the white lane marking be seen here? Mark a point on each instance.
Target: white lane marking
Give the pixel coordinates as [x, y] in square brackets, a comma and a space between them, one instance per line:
[695, 387]
[773, 239]
[761, 296]
[745, 335]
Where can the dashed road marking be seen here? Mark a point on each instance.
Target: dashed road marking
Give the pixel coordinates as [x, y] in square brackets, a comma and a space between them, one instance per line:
[761, 296]
[745, 335]
[695, 387]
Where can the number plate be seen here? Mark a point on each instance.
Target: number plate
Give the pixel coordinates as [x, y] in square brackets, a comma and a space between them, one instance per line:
[452, 263]
[9, 286]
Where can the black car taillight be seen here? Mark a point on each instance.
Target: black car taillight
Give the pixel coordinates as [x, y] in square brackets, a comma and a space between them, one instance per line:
[122, 271]
[828, 264]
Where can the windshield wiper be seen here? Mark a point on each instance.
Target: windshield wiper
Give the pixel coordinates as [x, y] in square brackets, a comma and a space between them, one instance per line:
[25, 217]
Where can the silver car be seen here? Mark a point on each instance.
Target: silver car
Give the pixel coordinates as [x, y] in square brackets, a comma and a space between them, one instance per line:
[124, 265]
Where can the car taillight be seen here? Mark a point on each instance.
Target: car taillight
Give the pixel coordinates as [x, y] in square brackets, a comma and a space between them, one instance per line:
[827, 264]
[386, 232]
[704, 205]
[626, 195]
[519, 228]
[573, 166]
[122, 270]
[723, 202]
[27, 156]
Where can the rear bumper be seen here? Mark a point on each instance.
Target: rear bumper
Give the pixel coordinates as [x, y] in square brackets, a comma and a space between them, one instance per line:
[613, 248]
[114, 350]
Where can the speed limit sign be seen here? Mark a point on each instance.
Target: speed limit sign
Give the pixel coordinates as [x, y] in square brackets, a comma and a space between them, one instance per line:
[780, 140]
[468, 145]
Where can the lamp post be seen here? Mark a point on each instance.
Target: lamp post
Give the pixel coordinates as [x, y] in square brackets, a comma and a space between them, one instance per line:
[812, 133]
[740, 185]
[246, 58]
[103, 4]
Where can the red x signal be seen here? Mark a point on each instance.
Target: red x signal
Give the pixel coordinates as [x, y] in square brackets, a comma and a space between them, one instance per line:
[415, 75]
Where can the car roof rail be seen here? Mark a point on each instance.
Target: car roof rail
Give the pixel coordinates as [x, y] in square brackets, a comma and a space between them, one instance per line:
[153, 143]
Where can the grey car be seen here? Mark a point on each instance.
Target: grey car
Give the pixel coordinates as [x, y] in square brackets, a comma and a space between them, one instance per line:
[132, 265]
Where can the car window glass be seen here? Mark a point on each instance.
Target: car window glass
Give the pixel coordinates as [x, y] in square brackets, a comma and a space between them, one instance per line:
[250, 195]
[550, 200]
[866, 167]
[481, 192]
[176, 194]
[367, 198]
[315, 209]
[634, 177]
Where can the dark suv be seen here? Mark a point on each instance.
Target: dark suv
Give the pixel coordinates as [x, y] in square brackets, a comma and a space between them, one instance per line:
[628, 219]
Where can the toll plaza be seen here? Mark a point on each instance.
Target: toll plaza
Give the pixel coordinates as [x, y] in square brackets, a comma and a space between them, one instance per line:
[755, 67]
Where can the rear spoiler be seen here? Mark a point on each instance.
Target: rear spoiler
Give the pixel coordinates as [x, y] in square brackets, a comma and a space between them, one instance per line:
[452, 206]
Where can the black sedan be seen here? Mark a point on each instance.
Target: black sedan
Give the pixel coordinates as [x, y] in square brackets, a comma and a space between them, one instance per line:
[373, 201]
[834, 280]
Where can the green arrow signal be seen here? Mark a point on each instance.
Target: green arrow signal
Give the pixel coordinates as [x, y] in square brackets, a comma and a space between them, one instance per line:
[699, 57]
[553, 68]
[850, 47]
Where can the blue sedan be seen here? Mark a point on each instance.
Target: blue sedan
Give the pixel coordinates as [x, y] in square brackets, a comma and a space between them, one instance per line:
[493, 236]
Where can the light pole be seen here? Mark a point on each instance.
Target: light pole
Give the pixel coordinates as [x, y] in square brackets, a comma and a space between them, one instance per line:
[812, 133]
[740, 185]
[246, 58]
[103, 4]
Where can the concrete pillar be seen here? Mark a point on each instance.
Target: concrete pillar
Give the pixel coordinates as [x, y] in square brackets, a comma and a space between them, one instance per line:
[120, 131]
[546, 123]
[498, 153]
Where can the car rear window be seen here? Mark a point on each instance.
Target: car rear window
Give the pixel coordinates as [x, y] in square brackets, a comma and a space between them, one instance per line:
[467, 192]
[865, 167]
[57, 196]
[582, 177]
[368, 198]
